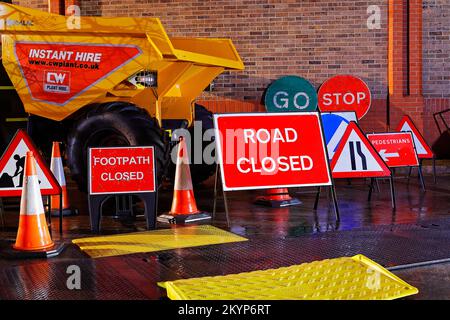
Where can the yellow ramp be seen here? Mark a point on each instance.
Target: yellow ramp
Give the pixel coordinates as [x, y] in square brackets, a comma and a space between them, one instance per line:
[355, 278]
[156, 240]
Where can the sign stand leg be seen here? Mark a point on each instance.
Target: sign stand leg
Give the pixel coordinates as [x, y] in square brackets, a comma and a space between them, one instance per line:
[434, 170]
[224, 196]
[371, 187]
[394, 205]
[316, 202]
[409, 174]
[335, 202]
[2, 209]
[422, 181]
[377, 185]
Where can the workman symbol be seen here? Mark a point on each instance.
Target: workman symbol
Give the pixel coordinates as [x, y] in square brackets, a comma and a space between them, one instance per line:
[7, 181]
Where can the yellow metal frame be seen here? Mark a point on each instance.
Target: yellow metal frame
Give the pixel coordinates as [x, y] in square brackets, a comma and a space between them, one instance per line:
[185, 66]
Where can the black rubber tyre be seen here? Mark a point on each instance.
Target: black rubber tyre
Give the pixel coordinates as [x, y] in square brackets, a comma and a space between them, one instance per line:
[114, 124]
[202, 171]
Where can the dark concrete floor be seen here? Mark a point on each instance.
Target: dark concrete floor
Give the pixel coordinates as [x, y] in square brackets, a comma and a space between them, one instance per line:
[417, 231]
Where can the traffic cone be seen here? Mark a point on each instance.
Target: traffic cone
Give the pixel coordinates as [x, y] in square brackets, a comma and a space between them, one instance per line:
[277, 198]
[57, 169]
[184, 207]
[33, 232]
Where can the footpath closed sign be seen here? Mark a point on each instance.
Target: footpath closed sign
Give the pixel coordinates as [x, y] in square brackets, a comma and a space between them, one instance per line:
[396, 149]
[121, 170]
[262, 151]
[345, 93]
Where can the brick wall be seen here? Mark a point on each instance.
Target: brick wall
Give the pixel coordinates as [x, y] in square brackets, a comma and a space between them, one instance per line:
[436, 48]
[436, 62]
[311, 38]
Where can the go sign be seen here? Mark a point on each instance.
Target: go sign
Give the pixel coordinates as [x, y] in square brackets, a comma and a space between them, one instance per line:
[290, 94]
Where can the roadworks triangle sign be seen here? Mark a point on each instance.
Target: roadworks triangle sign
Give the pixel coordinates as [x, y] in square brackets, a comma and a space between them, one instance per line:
[12, 168]
[355, 157]
[423, 149]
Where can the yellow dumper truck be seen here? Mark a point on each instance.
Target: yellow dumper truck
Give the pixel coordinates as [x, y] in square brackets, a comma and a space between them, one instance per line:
[104, 82]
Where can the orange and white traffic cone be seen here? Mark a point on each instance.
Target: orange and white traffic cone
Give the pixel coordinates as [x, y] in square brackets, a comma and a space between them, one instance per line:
[277, 198]
[33, 234]
[184, 207]
[57, 169]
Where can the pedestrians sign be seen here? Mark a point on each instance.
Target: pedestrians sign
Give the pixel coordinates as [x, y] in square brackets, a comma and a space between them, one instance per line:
[344, 93]
[334, 125]
[272, 150]
[356, 157]
[12, 166]
[291, 94]
[422, 148]
[396, 148]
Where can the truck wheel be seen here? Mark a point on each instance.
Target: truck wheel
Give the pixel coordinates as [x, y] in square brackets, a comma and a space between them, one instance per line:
[114, 124]
[202, 171]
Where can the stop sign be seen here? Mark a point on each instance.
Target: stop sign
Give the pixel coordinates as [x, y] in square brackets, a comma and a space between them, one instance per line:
[345, 93]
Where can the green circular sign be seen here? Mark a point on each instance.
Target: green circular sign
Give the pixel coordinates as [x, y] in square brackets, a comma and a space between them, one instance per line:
[291, 94]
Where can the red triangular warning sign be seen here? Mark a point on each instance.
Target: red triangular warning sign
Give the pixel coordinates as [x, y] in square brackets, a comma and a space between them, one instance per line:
[12, 165]
[355, 157]
[422, 148]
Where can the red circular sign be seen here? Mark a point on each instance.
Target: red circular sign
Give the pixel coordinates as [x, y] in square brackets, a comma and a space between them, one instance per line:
[345, 93]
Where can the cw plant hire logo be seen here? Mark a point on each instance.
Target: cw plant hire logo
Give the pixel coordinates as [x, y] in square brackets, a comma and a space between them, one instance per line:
[5, 22]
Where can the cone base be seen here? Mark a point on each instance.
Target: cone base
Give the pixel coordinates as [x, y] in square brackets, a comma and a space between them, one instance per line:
[184, 218]
[66, 212]
[267, 202]
[11, 253]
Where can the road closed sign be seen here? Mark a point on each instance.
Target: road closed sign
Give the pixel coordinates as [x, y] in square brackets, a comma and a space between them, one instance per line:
[261, 151]
[396, 148]
[344, 93]
[121, 170]
[290, 94]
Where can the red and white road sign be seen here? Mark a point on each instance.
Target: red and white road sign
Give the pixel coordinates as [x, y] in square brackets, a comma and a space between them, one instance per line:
[12, 166]
[356, 157]
[423, 149]
[345, 93]
[121, 170]
[396, 148]
[276, 150]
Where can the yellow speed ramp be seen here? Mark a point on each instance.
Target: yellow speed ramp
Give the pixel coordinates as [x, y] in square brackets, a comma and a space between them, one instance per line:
[155, 240]
[347, 278]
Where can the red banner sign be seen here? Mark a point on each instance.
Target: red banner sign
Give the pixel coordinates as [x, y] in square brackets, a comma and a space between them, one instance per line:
[57, 72]
[345, 93]
[258, 151]
[396, 149]
[121, 170]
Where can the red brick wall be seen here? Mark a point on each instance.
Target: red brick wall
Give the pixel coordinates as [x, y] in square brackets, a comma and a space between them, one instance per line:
[436, 62]
[311, 38]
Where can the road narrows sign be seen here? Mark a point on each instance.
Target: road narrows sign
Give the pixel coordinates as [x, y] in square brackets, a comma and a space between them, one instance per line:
[116, 170]
[334, 125]
[12, 168]
[273, 150]
[423, 149]
[396, 148]
[356, 157]
[345, 93]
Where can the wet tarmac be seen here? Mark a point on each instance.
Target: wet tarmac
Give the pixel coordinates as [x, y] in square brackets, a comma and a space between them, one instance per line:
[417, 231]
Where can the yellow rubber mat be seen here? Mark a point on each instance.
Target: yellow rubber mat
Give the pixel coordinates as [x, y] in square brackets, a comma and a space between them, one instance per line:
[155, 240]
[356, 278]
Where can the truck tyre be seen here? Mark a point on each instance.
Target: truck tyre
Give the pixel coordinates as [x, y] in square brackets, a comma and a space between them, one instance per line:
[202, 171]
[114, 124]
